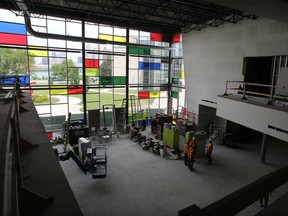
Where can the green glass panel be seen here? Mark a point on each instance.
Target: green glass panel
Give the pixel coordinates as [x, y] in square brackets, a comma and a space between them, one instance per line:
[144, 51]
[141, 51]
[133, 50]
[174, 94]
[106, 80]
[119, 80]
[175, 80]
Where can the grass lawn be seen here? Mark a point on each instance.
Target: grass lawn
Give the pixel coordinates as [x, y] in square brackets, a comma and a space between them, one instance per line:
[53, 100]
[104, 98]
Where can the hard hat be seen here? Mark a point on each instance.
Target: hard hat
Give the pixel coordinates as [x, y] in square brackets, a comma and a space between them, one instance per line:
[210, 140]
[193, 138]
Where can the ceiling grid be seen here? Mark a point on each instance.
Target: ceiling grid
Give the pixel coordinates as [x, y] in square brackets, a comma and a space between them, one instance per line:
[166, 17]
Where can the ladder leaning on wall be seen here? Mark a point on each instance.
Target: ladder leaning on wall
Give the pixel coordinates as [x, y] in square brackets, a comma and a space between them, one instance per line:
[121, 118]
[133, 107]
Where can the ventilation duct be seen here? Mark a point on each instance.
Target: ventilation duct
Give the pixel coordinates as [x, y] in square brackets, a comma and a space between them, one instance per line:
[81, 39]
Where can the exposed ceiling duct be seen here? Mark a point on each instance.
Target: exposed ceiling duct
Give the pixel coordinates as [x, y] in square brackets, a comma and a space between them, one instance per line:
[82, 39]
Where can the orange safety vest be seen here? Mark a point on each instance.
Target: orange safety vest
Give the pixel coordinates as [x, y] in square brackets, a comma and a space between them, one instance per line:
[191, 153]
[209, 147]
[186, 148]
[192, 142]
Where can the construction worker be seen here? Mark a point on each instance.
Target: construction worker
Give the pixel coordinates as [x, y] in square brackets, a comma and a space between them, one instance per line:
[209, 151]
[193, 143]
[186, 149]
[191, 155]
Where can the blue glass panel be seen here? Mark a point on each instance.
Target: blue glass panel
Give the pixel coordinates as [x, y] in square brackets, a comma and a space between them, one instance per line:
[143, 65]
[155, 66]
[149, 66]
[10, 80]
[12, 28]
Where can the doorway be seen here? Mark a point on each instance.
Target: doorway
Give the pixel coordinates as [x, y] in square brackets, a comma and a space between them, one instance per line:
[258, 70]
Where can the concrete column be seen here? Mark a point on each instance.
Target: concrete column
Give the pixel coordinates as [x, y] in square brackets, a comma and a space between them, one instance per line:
[263, 149]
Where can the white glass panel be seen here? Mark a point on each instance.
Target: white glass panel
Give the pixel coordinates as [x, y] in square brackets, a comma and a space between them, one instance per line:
[163, 104]
[43, 109]
[105, 30]
[74, 45]
[91, 31]
[8, 16]
[35, 21]
[106, 47]
[144, 37]
[35, 41]
[154, 103]
[133, 76]
[119, 31]
[91, 46]
[133, 36]
[75, 104]
[182, 98]
[56, 27]
[56, 43]
[133, 62]
[74, 28]
[119, 65]
[119, 49]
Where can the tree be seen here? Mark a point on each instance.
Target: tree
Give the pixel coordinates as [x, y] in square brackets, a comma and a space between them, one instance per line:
[106, 67]
[15, 61]
[60, 71]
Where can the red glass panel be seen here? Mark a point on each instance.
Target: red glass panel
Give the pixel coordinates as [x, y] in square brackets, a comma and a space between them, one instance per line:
[155, 37]
[176, 38]
[75, 89]
[143, 95]
[14, 39]
[92, 63]
[50, 135]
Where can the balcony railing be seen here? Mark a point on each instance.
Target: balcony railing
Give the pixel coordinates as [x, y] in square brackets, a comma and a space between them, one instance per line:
[267, 91]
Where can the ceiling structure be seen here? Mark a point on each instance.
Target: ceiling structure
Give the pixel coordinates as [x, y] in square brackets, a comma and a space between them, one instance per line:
[273, 9]
[167, 17]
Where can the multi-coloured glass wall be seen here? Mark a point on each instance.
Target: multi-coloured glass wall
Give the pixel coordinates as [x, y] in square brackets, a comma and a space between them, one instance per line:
[177, 75]
[65, 76]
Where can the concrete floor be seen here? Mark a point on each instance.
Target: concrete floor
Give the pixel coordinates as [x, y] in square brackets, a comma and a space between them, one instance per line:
[142, 183]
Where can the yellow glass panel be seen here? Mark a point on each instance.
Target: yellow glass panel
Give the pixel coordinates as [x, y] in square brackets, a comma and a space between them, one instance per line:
[106, 37]
[154, 94]
[120, 39]
[92, 72]
[112, 38]
[33, 52]
[61, 90]
[181, 74]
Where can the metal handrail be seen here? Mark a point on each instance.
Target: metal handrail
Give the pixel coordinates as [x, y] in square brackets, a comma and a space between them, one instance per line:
[271, 95]
[9, 197]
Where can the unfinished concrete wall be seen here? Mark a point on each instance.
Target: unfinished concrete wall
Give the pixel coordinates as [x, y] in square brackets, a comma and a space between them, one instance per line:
[214, 55]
